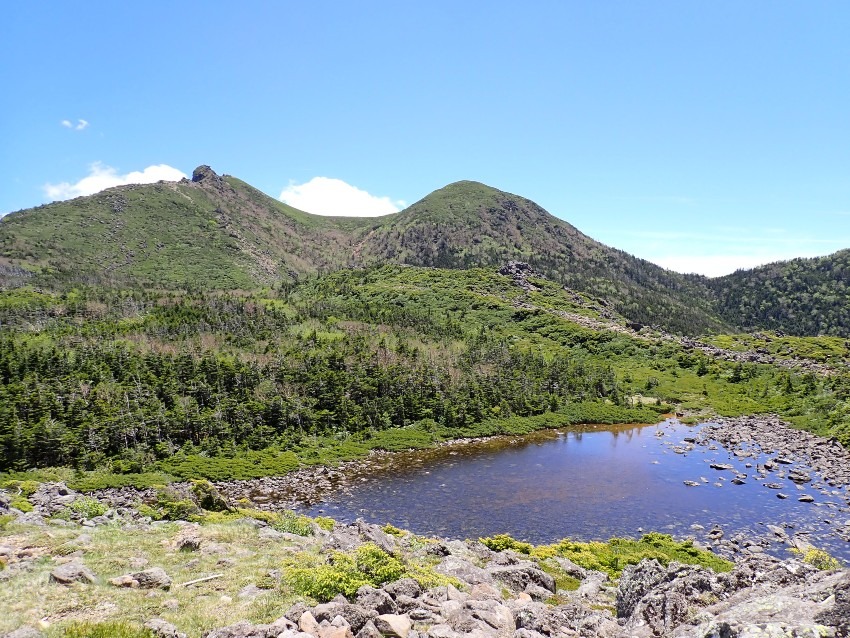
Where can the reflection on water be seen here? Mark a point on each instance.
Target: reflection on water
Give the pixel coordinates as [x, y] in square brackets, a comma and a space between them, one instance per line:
[590, 483]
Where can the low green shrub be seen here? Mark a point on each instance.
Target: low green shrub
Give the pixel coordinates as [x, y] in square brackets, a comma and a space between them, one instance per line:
[292, 523]
[242, 466]
[501, 542]
[171, 506]
[88, 507]
[91, 481]
[21, 503]
[613, 556]
[821, 559]
[208, 497]
[345, 573]
[326, 523]
[25, 488]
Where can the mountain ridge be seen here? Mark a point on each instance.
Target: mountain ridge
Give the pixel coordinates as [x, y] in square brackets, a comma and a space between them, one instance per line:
[219, 232]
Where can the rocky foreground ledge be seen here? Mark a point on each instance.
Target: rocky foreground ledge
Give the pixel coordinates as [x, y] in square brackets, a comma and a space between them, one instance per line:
[72, 560]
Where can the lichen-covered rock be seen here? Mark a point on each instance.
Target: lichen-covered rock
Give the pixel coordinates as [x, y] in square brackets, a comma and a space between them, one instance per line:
[806, 609]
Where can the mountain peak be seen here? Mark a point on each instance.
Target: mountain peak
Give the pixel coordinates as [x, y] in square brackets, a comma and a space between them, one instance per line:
[205, 173]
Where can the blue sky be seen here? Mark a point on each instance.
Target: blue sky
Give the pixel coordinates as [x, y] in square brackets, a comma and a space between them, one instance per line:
[701, 136]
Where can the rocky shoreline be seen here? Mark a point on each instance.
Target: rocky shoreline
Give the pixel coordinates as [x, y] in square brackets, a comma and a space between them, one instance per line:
[495, 593]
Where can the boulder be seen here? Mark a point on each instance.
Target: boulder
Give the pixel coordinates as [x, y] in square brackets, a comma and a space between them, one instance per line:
[369, 631]
[520, 575]
[375, 599]
[355, 616]
[463, 570]
[244, 629]
[660, 598]
[393, 625]
[154, 578]
[51, 498]
[72, 572]
[163, 629]
[405, 587]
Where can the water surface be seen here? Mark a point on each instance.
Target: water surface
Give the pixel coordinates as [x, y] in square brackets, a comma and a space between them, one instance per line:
[589, 483]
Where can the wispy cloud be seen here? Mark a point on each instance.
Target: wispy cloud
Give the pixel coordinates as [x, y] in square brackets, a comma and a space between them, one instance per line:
[79, 126]
[329, 196]
[101, 177]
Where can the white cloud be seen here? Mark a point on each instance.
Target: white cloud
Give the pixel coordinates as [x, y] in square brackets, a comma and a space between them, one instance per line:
[329, 196]
[79, 126]
[101, 177]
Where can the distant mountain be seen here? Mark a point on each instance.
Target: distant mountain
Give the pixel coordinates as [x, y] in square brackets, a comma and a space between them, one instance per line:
[801, 296]
[210, 232]
[468, 224]
[217, 232]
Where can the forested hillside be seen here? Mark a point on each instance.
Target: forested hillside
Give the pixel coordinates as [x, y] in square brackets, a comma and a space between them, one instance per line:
[801, 296]
[133, 381]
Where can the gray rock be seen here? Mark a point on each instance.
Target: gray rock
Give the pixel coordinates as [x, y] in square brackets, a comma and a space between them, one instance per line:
[393, 625]
[163, 629]
[522, 574]
[806, 609]
[659, 598]
[369, 631]
[72, 572]
[244, 629]
[51, 498]
[405, 587]
[31, 518]
[570, 568]
[249, 592]
[270, 533]
[24, 632]
[463, 570]
[370, 533]
[154, 578]
[376, 599]
[355, 615]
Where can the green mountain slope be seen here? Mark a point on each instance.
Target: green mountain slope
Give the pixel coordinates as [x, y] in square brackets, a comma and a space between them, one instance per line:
[211, 232]
[468, 224]
[217, 232]
[801, 296]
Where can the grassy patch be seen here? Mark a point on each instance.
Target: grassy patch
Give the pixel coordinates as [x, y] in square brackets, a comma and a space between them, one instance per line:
[109, 629]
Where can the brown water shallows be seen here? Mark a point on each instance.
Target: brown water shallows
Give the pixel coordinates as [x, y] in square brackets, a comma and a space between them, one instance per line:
[591, 482]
